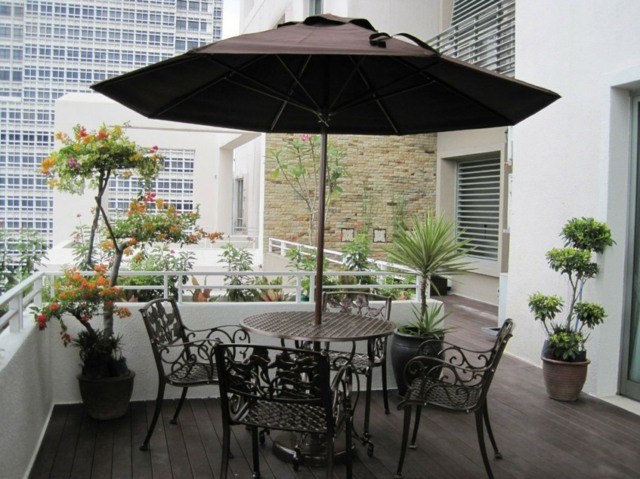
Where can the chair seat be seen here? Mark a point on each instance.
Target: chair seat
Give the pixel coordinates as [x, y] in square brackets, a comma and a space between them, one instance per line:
[193, 375]
[286, 416]
[425, 390]
[360, 361]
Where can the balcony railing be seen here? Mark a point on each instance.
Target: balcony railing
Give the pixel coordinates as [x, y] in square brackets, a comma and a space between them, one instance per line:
[485, 38]
[16, 302]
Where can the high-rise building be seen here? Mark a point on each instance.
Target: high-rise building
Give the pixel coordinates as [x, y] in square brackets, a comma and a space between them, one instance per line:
[51, 48]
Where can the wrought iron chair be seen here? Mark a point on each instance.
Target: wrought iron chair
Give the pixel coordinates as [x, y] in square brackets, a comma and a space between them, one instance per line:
[184, 357]
[280, 388]
[359, 303]
[457, 380]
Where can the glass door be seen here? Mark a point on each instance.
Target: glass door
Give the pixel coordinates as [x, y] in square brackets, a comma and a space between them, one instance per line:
[630, 378]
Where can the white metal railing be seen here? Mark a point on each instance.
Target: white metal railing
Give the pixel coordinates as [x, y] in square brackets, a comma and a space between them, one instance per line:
[17, 302]
[282, 247]
[14, 302]
[485, 38]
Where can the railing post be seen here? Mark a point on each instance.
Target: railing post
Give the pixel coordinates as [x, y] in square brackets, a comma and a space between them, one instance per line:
[16, 323]
[298, 288]
[312, 288]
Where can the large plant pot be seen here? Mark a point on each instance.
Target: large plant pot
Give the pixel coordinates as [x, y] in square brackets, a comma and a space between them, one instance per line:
[564, 379]
[404, 347]
[106, 398]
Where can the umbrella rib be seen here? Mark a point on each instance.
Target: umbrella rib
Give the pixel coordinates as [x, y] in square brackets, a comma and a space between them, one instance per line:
[366, 98]
[508, 121]
[292, 88]
[184, 98]
[375, 98]
[261, 88]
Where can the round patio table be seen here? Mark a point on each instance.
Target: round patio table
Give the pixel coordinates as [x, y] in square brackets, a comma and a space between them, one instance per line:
[300, 326]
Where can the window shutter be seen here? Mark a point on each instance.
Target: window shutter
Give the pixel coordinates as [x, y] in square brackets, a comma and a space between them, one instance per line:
[478, 205]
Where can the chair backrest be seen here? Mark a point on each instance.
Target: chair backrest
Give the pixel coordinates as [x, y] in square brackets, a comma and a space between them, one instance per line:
[273, 374]
[163, 321]
[166, 332]
[357, 302]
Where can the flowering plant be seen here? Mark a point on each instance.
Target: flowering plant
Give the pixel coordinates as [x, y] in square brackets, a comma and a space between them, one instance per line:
[93, 158]
[83, 297]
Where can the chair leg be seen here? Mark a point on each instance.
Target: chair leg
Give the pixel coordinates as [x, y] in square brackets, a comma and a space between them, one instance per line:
[349, 443]
[405, 437]
[226, 449]
[367, 405]
[385, 394]
[183, 396]
[255, 452]
[416, 424]
[330, 453]
[483, 448]
[485, 413]
[156, 415]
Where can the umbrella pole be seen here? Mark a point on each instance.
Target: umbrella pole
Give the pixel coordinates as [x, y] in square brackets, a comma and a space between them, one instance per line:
[320, 233]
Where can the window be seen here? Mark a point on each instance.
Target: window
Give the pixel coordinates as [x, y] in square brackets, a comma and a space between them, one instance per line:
[478, 204]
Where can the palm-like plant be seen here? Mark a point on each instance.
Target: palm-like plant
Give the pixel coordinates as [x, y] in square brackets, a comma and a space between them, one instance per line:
[430, 246]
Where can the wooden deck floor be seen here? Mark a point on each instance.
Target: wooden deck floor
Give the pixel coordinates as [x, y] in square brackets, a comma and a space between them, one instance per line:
[539, 437]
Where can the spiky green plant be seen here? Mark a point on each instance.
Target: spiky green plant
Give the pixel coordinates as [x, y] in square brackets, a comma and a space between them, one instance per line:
[430, 245]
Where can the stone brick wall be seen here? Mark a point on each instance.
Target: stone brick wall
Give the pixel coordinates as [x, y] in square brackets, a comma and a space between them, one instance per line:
[386, 172]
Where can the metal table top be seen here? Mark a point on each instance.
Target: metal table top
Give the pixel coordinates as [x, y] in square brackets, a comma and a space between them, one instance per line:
[299, 325]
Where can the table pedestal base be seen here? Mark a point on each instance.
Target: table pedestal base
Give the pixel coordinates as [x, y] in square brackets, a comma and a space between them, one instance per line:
[313, 449]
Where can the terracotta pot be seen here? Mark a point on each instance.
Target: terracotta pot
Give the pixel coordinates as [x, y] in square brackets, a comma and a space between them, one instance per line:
[564, 379]
[106, 398]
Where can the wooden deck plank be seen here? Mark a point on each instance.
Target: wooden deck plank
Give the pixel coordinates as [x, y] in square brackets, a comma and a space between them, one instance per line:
[538, 437]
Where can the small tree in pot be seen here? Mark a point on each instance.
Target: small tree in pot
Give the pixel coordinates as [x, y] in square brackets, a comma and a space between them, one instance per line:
[564, 355]
[430, 246]
[93, 158]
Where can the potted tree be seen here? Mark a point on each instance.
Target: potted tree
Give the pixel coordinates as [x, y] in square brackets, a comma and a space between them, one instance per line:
[429, 246]
[93, 158]
[564, 357]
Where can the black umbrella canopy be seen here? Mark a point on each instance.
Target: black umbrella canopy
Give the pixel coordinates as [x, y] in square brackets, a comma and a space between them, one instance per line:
[324, 75]
[329, 71]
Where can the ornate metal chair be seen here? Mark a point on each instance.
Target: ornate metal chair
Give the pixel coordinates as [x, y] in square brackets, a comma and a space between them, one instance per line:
[457, 380]
[279, 388]
[184, 357]
[359, 303]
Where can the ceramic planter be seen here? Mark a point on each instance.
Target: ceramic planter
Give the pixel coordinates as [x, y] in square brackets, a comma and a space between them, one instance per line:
[106, 398]
[564, 379]
[404, 347]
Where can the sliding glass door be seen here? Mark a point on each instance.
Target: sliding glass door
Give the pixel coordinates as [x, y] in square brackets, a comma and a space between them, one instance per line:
[630, 378]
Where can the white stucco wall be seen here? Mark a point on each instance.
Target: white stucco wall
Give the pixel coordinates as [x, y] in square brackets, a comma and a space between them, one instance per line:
[572, 159]
[213, 163]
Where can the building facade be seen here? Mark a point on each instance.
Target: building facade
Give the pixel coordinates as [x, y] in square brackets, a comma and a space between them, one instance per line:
[51, 48]
[578, 157]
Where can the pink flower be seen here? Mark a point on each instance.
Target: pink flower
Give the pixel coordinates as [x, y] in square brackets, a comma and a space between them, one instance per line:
[305, 137]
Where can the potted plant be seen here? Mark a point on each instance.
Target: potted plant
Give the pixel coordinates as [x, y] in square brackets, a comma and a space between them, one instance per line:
[93, 158]
[82, 297]
[564, 357]
[429, 246]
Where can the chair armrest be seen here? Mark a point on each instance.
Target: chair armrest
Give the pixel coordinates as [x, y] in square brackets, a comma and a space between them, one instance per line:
[180, 355]
[449, 345]
[454, 354]
[442, 371]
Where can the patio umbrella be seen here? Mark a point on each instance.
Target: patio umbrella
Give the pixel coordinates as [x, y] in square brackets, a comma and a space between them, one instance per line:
[325, 75]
